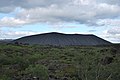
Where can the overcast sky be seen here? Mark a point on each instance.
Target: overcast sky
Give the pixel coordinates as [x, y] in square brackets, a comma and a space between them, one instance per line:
[27, 17]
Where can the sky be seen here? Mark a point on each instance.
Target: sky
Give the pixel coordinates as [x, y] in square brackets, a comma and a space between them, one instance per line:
[20, 18]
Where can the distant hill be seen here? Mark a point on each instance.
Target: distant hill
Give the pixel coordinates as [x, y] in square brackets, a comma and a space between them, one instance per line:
[60, 39]
[4, 41]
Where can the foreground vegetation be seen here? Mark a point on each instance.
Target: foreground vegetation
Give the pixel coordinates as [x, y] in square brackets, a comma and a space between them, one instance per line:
[25, 62]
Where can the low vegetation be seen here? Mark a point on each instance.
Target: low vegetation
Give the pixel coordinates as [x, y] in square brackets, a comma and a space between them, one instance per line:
[35, 62]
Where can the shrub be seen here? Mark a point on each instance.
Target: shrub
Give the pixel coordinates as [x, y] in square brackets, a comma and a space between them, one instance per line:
[37, 71]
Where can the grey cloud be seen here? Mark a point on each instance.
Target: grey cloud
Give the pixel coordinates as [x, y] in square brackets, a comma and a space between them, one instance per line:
[114, 31]
[87, 12]
[27, 4]
[6, 9]
[113, 2]
[15, 34]
[82, 14]
[112, 34]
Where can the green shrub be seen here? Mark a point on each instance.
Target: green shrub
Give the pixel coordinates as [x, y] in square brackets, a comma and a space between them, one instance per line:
[4, 77]
[38, 71]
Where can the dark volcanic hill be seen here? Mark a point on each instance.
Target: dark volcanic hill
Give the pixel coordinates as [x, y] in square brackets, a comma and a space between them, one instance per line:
[60, 39]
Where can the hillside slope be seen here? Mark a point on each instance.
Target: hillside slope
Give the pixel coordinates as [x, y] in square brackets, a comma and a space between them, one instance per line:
[60, 39]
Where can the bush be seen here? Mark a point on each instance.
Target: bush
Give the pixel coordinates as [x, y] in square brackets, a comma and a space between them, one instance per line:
[4, 77]
[37, 71]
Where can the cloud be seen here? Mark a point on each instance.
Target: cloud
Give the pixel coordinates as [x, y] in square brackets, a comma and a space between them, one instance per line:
[114, 31]
[88, 12]
[15, 34]
[6, 9]
[112, 2]
[27, 4]
[11, 22]
[112, 34]
[110, 22]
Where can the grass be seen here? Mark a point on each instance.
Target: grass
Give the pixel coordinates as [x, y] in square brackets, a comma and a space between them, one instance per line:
[22, 62]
